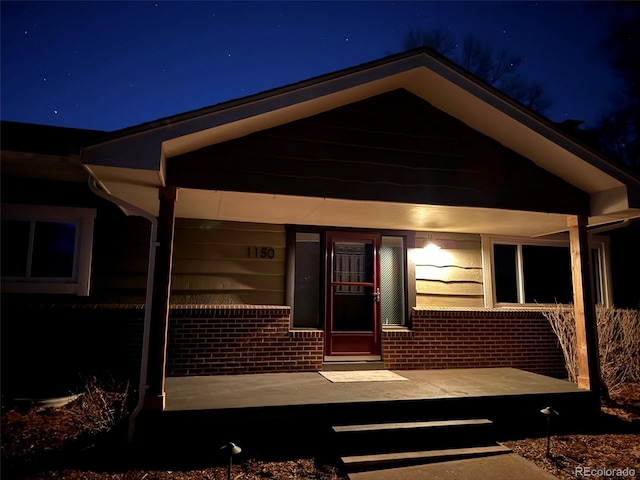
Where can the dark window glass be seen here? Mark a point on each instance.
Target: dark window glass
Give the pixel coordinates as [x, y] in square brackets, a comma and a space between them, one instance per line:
[15, 247]
[547, 274]
[53, 249]
[306, 301]
[392, 281]
[505, 270]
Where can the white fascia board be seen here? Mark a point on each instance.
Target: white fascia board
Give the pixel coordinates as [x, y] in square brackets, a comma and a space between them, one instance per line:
[135, 186]
[142, 151]
[610, 201]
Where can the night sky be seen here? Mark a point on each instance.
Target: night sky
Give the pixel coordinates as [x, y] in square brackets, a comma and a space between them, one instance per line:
[110, 65]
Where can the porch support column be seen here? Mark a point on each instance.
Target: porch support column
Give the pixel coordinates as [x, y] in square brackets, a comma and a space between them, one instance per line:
[583, 305]
[155, 395]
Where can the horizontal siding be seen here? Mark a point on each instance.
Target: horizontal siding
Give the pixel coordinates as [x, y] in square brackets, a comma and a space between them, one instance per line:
[218, 262]
[390, 147]
[120, 257]
[238, 297]
[452, 276]
[427, 287]
[449, 301]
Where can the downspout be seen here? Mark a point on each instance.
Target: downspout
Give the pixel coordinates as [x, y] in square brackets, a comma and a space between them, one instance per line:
[153, 243]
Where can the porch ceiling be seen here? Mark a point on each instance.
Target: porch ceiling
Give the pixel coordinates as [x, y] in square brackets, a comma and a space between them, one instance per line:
[253, 207]
[299, 210]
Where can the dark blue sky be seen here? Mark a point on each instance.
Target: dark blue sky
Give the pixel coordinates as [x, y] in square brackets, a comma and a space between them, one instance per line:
[110, 65]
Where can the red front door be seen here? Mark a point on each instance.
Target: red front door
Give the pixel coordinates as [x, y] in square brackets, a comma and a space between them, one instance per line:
[353, 295]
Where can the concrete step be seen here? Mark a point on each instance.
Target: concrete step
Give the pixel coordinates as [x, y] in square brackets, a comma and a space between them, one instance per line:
[412, 436]
[353, 365]
[359, 463]
[411, 425]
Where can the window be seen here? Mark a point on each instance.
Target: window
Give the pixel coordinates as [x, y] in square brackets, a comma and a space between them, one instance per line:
[536, 272]
[46, 249]
[392, 281]
[306, 300]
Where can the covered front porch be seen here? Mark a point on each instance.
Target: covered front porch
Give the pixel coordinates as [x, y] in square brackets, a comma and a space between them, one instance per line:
[268, 413]
[403, 148]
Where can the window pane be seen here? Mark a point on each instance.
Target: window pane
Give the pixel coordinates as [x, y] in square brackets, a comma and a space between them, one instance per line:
[53, 249]
[392, 281]
[505, 270]
[352, 262]
[15, 247]
[306, 297]
[547, 274]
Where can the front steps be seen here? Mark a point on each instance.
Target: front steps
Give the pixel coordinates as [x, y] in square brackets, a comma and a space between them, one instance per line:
[351, 365]
[391, 445]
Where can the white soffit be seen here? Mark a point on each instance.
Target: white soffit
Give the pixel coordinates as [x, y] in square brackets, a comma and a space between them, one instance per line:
[284, 209]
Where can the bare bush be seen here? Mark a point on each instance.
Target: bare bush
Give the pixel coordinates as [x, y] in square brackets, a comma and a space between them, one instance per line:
[618, 343]
[29, 434]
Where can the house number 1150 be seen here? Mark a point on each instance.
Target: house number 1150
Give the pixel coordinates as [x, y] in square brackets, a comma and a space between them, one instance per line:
[260, 252]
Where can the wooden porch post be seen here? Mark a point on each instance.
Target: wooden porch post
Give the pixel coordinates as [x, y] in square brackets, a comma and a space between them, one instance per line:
[155, 395]
[584, 305]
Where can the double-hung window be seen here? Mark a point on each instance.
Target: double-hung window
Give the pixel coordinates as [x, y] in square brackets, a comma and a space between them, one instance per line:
[530, 272]
[46, 249]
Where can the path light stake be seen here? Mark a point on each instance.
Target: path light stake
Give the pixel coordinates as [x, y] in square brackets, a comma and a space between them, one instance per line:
[549, 412]
[230, 449]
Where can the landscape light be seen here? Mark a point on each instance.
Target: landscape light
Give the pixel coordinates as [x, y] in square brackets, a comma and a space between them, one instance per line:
[230, 449]
[549, 412]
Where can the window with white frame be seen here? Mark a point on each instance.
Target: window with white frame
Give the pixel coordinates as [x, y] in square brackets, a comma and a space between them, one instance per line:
[46, 249]
[530, 272]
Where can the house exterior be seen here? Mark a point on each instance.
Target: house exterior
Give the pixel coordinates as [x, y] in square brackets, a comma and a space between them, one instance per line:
[399, 212]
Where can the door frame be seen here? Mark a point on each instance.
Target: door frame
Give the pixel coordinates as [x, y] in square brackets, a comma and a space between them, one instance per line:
[371, 338]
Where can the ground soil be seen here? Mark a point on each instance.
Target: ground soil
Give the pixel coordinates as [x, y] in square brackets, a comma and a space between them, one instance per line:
[608, 445]
[68, 442]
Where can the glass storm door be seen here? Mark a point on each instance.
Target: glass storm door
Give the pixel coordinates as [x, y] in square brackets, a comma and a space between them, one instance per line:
[353, 295]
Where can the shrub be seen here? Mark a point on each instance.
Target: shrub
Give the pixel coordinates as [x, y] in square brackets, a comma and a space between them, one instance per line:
[618, 343]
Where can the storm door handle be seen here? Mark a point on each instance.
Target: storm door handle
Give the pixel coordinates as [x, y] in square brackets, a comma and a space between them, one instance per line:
[376, 295]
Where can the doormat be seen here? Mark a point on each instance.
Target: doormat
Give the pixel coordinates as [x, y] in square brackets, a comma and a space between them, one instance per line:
[342, 376]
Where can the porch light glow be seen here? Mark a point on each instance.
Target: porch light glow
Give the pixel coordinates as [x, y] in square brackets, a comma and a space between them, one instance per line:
[431, 248]
[432, 254]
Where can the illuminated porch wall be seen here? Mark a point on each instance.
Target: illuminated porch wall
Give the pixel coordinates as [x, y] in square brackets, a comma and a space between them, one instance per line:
[450, 273]
[228, 263]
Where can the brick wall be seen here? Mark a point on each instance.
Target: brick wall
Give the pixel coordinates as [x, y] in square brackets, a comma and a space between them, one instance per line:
[474, 338]
[216, 340]
[53, 347]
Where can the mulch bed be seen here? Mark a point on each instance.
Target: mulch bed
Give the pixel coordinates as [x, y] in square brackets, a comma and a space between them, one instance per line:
[605, 448]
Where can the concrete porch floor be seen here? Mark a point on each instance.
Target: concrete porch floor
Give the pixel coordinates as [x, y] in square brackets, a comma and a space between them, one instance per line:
[310, 388]
[255, 411]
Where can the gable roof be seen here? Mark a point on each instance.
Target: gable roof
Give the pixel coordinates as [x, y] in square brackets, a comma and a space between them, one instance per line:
[136, 156]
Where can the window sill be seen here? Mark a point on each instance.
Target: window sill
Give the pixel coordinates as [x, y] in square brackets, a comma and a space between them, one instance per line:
[36, 287]
[395, 328]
